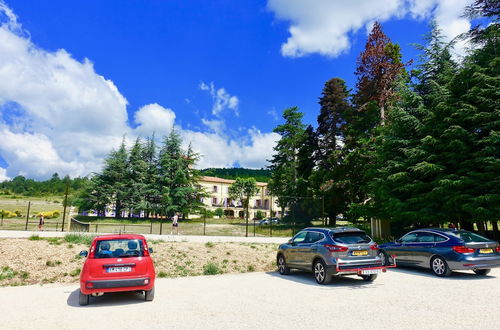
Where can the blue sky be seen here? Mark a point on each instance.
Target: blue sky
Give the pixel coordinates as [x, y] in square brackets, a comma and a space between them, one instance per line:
[78, 75]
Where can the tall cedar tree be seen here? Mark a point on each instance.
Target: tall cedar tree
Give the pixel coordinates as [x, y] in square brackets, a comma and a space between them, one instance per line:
[114, 177]
[152, 193]
[309, 201]
[379, 66]
[175, 174]
[379, 71]
[136, 183]
[284, 163]
[335, 116]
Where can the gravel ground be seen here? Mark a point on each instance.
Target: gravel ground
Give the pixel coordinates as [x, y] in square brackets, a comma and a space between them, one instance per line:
[399, 299]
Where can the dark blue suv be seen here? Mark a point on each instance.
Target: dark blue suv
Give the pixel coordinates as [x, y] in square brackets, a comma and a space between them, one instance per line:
[331, 251]
[443, 250]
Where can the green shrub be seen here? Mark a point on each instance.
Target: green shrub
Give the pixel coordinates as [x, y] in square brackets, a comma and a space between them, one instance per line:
[219, 212]
[75, 272]
[6, 273]
[251, 268]
[211, 269]
[34, 238]
[209, 244]
[259, 215]
[162, 274]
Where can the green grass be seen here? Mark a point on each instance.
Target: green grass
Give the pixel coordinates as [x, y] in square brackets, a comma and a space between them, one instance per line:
[7, 273]
[79, 239]
[34, 238]
[209, 244]
[75, 272]
[211, 269]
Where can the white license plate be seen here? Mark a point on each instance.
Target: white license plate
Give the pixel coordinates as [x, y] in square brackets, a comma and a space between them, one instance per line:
[370, 271]
[118, 269]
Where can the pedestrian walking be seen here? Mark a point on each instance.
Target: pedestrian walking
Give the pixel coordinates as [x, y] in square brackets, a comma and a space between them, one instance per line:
[175, 223]
[41, 222]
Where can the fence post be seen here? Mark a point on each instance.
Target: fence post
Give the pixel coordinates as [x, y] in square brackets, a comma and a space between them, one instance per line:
[57, 225]
[151, 229]
[2, 220]
[27, 216]
[96, 225]
[65, 204]
[204, 222]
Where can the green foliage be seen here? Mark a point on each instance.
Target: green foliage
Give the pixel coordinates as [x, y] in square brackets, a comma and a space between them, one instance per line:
[219, 212]
[261, 175]
[79, 239]
[259, 214]
[211, 269]
[242, 190]
[53, 186]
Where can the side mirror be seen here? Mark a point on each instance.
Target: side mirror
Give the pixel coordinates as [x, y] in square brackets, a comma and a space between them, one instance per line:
[398, 241]
[290, 241]
[150, 250]
[84, 253]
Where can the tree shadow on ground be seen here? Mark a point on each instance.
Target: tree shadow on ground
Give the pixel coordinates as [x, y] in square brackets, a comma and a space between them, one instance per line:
[108, 299]
[350, 282]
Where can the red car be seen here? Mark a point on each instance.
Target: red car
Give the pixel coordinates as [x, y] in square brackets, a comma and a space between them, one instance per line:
[117, 263]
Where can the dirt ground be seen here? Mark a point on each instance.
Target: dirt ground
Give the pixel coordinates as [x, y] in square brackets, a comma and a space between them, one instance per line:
[25, 262]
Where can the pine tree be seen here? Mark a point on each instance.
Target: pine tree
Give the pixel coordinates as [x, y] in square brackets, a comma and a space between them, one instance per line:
[336, 115]
[152, 193]
[284, 163]
[379, 67]
[136, 184]
[176, 176]
[114, 176]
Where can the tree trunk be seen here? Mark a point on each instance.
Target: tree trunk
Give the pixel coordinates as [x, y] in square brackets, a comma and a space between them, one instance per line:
[466, 225]
[332, 219]
[480, 227]
[496, 235]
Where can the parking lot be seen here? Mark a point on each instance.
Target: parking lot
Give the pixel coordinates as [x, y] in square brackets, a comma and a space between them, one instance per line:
[399, 299]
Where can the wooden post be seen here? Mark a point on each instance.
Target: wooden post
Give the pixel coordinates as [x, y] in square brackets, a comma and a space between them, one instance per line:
[204, 222]
[27, 216]
[65, 204]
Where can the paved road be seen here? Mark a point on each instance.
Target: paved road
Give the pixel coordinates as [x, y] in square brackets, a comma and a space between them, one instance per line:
[167, 238]
[399, 299]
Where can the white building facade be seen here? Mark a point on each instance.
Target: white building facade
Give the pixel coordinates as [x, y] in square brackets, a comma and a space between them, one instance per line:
[218, 191]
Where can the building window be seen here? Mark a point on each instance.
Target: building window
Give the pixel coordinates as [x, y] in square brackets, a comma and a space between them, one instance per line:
[214, 189]
[214, 200]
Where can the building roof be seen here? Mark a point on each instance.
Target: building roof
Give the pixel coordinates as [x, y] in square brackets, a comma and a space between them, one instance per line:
[221, 180]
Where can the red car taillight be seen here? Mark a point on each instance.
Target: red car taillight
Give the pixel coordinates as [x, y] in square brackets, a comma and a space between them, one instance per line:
[146, 250]
[374, 247]
[463, 249]
[498, 248]
[336, 248]
[92, 249]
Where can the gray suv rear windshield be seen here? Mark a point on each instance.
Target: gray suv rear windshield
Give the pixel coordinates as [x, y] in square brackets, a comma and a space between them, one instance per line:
[356, 237]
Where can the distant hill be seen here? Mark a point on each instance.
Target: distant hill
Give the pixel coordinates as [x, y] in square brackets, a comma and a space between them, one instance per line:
[233, 173]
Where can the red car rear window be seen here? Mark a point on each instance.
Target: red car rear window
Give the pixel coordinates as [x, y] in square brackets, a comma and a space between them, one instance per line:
[119, 248]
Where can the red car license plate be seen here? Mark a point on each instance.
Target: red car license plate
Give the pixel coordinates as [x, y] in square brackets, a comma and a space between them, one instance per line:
[118, 269]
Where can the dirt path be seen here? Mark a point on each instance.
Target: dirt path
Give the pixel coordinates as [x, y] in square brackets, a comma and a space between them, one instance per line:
[400, 299]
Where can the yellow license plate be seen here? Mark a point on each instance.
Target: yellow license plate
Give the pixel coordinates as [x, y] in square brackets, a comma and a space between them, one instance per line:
[360, 253]
[485, 250]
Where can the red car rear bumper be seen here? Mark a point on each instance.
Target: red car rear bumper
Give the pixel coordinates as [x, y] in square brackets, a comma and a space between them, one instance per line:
[117, 285]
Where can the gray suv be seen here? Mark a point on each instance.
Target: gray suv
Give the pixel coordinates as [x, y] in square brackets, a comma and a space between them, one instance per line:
[331, 251]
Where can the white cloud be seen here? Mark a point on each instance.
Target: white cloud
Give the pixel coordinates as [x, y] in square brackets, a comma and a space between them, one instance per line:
[58, 115]
[324, 26]
[222, 100]
[273, 114]
[218, 151]
[154, 118]
[3, 174]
